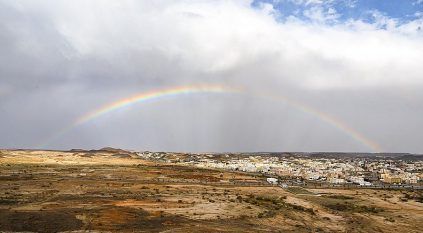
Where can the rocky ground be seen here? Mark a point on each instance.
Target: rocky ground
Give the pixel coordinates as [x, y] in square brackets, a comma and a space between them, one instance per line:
[116, 191]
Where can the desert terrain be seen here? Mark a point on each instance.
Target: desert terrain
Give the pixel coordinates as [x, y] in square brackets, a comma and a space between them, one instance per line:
[112, 190]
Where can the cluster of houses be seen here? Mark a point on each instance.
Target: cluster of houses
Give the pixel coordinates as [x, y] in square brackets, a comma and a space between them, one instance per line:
[359, 171]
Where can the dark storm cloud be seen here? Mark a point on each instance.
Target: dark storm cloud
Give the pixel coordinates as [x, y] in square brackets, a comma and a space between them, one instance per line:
[32, 50]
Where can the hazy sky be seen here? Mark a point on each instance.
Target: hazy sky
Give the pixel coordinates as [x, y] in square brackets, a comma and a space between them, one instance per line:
[315, 75]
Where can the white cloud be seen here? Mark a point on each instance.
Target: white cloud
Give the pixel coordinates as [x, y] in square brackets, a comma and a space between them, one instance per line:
[321, 15]
[221, 40]
[310, 2]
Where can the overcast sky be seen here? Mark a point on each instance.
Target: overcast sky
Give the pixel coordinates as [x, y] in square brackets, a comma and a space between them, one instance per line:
[344, 75]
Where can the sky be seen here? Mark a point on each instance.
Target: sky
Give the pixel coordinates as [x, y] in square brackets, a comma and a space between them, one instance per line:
[212, 75]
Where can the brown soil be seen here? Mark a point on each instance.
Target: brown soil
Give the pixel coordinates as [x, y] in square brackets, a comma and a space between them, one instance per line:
[108, 190]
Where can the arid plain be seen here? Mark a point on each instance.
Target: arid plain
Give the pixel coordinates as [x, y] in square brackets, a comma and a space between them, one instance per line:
[113, 190]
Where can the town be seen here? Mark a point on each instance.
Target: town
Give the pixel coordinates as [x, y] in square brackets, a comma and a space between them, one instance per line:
[301, 169]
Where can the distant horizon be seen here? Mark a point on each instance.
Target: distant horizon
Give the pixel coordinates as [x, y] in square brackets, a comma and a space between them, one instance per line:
[205, 152]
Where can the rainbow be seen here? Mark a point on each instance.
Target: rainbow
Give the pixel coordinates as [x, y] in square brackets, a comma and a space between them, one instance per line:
[337, 123]
[140, 98]
[153, 95]
[201, 89]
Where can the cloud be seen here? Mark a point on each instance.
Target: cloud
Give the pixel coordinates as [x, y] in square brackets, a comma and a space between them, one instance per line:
[194, 39]
[321, 15]
[92, 52]
[310, 2]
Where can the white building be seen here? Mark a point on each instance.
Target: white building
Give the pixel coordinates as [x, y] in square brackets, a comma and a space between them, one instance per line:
[272, 180]
[336, 181]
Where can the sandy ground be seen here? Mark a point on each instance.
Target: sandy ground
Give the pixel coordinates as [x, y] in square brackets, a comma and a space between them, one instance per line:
[55, 191]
